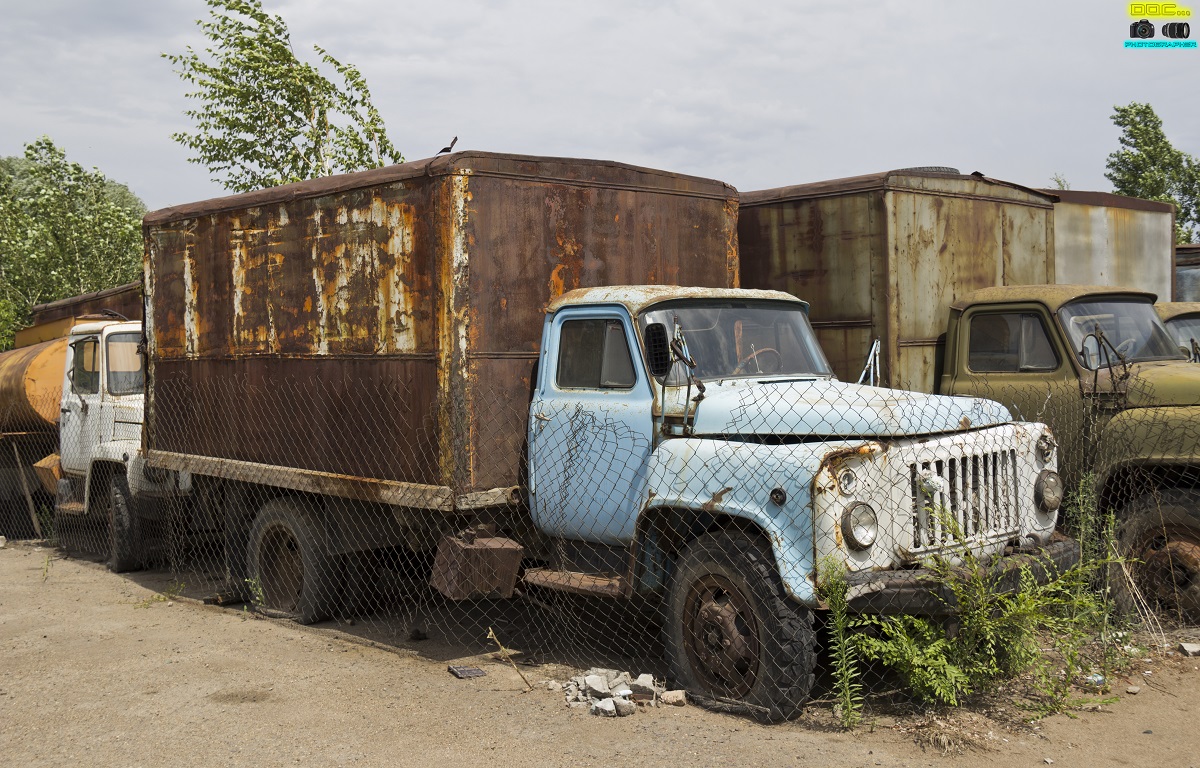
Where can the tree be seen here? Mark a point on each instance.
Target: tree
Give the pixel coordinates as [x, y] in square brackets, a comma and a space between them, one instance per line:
[266, 118]
[1148, 166]
[64, 231]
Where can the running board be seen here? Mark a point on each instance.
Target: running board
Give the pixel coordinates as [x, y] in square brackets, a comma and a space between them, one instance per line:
[576, 583]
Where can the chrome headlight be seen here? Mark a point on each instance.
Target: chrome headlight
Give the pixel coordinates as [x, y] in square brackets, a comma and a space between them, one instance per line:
[1048, 491]
[860, 526]
[847, 480]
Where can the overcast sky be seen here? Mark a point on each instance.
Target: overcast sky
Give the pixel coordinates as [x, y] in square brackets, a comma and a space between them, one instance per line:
[757, 94]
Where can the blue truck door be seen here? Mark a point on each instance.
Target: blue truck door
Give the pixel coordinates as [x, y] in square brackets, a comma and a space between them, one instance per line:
[590, 425]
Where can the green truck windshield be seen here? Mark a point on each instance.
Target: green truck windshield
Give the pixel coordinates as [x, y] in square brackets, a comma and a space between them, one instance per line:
[1131, 327]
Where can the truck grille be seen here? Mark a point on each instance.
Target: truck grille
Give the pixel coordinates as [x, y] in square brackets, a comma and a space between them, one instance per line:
[964, 500]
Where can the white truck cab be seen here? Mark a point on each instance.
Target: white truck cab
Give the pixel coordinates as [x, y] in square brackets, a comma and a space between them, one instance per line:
[100, 433]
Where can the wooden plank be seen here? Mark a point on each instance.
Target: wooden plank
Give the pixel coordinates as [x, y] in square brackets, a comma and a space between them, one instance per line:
[576, 583]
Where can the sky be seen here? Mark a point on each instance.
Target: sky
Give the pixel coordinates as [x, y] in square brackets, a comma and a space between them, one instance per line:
[756, 94]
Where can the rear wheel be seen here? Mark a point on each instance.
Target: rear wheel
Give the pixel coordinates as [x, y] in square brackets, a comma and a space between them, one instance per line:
[732, 632]
[291, 569]
[1159, 534]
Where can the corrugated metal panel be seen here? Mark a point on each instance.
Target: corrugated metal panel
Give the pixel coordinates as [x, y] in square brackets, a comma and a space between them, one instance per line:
[385, 324]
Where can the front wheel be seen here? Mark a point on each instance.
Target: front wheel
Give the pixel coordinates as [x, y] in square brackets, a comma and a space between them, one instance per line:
[126, 550]
[732, 632]
[1160, 536]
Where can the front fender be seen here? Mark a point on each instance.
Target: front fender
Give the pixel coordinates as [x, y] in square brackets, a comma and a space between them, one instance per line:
[736, 479]
[1148, 437]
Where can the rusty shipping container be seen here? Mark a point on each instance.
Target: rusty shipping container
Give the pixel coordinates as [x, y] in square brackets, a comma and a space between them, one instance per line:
[373, 335]
[1106, 239]
[882, 256]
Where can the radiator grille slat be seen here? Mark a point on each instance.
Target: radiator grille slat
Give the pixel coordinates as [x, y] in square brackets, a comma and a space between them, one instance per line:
[964, 500]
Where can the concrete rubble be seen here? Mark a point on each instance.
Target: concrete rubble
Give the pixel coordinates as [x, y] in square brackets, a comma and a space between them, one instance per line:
[1189, 649]
[613, 693]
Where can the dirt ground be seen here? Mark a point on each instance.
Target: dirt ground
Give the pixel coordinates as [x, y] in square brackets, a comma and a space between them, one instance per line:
[99, 670]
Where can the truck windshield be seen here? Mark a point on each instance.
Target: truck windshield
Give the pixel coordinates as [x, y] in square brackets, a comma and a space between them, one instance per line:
[125, 369]
[1185, 329]
[730, 339]
[1131, 327]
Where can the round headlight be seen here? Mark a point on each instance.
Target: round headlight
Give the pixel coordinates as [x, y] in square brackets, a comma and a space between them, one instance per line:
[1048, 491]
[860, 527]
[847, 481]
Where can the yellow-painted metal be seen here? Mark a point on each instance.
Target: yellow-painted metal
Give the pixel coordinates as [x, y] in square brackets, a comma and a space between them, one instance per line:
[31, 386]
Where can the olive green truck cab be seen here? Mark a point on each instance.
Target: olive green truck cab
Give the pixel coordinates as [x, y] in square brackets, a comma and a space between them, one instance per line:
[1099, 367]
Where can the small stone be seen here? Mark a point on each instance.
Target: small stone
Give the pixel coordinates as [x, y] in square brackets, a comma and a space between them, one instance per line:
[1048, 761]
[605, 708]
[3, 542]
[643, 684]
[170, 603]
[1133, 690]
[674, 698]
[553, 685]
[1148, 731]
[596, 685]
[624, 707]
[1189, 649]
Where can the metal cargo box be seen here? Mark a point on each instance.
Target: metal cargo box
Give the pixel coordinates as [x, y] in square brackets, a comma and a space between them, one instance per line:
[373, 335]
[884, 255]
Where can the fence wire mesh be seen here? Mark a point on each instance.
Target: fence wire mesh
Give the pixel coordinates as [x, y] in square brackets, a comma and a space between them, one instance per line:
[779, 540]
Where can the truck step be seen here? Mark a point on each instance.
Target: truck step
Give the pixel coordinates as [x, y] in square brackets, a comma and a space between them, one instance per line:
[576, 583]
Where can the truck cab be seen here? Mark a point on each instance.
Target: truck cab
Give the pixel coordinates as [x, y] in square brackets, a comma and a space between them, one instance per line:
[1098, 365]
[1182, 319]
[100, 433]
[695, 443]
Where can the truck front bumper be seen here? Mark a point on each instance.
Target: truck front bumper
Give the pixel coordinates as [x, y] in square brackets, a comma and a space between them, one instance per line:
[920, 592]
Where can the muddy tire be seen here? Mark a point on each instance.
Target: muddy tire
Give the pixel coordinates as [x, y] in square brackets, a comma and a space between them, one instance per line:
[126, 551]
[291, 570]
[732, 632]
[1159, 534]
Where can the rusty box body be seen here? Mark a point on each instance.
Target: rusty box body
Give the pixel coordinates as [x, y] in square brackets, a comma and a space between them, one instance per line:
[1106, 239]
[883, 256]
[373, 335]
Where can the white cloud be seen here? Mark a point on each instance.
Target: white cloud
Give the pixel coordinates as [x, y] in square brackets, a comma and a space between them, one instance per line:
[758, 94]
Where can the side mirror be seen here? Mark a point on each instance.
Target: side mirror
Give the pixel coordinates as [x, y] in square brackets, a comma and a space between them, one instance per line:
[658, 350]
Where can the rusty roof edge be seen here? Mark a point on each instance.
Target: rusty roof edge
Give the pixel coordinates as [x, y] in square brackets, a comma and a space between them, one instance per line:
[1051, 296]
[435, 166]
[56, 304]
[1109, 200]
[879, 181]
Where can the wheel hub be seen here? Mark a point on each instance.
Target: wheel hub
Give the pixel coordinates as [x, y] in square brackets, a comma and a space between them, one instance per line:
[1170, 572]
[722, 637]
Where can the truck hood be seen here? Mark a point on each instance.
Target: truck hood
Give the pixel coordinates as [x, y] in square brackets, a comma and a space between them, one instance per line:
[1165, 383]
[834, 408]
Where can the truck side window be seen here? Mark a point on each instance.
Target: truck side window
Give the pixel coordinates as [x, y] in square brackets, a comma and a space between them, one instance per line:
[85, 369]
[1011, 342]
[594, 354]
[126, 375]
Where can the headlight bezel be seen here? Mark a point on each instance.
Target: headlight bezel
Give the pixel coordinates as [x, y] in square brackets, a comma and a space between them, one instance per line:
[1049, 492]
[857, 532]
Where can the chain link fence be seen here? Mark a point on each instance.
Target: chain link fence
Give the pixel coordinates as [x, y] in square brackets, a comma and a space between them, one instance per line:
[780, 542]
